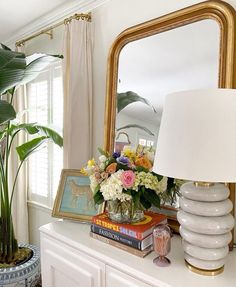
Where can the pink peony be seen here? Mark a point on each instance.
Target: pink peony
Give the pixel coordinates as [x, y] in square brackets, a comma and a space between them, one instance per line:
[128, 178]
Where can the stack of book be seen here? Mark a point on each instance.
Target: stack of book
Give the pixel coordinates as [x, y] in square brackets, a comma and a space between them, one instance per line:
[134, 238]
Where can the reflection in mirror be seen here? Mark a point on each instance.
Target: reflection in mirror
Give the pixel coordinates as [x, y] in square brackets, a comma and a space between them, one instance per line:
[178, 59]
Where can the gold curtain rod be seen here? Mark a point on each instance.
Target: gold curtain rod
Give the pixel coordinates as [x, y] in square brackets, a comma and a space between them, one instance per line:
[49, 30]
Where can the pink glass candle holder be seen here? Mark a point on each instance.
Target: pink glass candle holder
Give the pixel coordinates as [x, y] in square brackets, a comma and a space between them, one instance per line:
[161, 244]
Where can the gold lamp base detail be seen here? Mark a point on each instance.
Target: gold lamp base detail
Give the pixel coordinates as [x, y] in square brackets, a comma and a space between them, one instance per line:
[203, 271]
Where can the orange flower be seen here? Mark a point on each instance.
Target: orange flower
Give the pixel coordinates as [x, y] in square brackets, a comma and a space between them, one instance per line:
[144, 162]
[111, 167]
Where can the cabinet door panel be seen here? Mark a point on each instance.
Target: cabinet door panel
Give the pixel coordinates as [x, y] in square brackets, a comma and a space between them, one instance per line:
[62, 266]
[115, 278]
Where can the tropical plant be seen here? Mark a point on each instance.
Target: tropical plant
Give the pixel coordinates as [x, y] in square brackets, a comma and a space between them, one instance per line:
[16, 69]
[127, 98]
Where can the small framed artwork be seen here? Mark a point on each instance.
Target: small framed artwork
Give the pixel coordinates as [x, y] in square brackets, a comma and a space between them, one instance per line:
[74, 199]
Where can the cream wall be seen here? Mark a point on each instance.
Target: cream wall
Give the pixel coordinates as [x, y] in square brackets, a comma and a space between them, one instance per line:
[109, 20]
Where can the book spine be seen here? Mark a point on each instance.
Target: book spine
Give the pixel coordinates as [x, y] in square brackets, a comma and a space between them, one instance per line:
[119, 245]
[133, 242]
[121, 229]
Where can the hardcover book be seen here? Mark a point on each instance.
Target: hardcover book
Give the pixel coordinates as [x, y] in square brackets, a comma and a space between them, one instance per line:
[131, 250]
[122, 238]
[138, 230]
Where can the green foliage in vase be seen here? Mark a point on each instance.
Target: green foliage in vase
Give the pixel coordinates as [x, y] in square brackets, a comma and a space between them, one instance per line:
[16, 69]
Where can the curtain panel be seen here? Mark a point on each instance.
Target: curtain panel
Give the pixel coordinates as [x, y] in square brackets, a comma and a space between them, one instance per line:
[77, 78]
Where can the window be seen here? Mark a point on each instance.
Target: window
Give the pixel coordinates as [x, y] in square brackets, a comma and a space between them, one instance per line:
[45, 106]
[145, 142]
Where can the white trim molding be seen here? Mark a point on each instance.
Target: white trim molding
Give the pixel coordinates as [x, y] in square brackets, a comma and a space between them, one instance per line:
[81, 6]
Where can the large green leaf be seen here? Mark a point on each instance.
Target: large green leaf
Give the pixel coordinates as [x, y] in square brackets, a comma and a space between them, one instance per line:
[51, 134]
[28, 127]
[32, 128]
[138, 127]
[7, 112]
[152, 197]
[29, 147]
[37, 65]
[12, 67]
[127, 98]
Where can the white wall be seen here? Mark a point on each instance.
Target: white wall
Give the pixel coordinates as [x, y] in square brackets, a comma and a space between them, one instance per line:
[109, 20]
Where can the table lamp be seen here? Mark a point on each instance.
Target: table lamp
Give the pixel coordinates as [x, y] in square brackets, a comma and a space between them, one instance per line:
[197, 143]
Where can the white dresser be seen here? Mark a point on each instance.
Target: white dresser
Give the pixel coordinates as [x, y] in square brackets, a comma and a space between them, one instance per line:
[70, 258]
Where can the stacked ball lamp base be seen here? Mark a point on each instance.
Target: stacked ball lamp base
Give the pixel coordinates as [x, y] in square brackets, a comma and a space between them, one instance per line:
[205, 226]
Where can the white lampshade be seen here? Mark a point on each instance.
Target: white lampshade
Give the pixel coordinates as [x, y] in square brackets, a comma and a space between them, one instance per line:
[197, 138]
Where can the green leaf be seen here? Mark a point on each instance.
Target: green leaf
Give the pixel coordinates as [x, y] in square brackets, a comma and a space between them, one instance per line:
[141, 168]
[159, 177]
[51, 134]
[7, 112]
[103, 152]
[37, 65]
[98, 197]
[145, 203]
[32, 128]
[152, 197]
[12, 67]
[138, 127]
[5, 47]
[29, 147]
[127, 98]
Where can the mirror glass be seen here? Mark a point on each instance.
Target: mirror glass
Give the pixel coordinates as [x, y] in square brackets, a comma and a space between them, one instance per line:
[183, 58]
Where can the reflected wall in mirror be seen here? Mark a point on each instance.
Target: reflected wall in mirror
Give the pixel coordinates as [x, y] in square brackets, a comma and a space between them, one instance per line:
[192, 48]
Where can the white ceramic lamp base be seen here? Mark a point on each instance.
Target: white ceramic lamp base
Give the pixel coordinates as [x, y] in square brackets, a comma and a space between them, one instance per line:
[206, 223]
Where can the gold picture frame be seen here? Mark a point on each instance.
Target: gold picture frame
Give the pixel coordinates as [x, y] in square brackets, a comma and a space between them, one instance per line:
[74, 199]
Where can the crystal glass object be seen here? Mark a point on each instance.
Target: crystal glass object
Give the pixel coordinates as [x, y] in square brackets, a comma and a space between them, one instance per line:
[161, 244]
[124, 211]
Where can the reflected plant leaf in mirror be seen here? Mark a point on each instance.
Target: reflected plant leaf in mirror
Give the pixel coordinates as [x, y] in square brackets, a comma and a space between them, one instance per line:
[137, 126]
[127, 98]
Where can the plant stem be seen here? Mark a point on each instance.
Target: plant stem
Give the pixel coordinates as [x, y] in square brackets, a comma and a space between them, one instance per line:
[15, 180]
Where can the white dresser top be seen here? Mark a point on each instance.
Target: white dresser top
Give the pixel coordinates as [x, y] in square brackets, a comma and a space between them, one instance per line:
[176, 275]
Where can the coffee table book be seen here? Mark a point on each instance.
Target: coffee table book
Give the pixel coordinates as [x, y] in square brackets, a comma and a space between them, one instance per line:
[138, 230]
[131, 250]
[122, 238]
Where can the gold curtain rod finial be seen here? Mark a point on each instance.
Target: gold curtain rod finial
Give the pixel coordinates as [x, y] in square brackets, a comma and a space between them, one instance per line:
[81, 16]
[49, 30]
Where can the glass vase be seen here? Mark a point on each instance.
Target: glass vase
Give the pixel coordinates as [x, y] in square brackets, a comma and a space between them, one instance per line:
[124, 212]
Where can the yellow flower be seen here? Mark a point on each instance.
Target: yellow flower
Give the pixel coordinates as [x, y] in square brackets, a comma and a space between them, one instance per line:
[83, 171]
[91, 162]
[128, 152]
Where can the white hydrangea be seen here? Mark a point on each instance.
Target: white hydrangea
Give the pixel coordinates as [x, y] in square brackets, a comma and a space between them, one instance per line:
[111, 188]
[102, 165]
[102, 158]
[162, 185]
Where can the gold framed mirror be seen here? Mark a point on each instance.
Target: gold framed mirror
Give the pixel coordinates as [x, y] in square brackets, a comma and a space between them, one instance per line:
[219, 12]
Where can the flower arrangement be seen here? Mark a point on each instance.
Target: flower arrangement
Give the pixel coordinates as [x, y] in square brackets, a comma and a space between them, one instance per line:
[126, 177]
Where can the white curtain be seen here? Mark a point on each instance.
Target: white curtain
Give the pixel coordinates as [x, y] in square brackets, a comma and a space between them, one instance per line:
[19, 208]
[77, 77]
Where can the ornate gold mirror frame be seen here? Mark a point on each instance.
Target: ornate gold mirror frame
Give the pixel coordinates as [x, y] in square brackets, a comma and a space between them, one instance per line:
[221, 12]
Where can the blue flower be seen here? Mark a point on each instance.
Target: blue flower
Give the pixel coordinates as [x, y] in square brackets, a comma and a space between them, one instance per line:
[123, 160]
[116, 154]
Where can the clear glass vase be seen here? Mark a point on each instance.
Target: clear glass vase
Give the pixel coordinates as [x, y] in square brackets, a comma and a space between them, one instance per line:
[124, 212]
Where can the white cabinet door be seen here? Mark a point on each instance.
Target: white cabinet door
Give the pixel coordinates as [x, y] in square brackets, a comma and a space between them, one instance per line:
[115, 278]
[63, 266]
